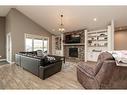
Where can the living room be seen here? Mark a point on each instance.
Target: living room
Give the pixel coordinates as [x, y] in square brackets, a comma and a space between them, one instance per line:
[63, 47]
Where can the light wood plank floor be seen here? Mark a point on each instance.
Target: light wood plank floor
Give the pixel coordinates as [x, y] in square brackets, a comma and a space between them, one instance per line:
[14, 77]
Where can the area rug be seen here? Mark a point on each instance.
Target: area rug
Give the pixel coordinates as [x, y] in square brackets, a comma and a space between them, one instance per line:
[68, 66]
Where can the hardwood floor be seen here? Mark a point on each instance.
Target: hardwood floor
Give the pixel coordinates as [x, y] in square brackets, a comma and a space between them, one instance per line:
[14, 77]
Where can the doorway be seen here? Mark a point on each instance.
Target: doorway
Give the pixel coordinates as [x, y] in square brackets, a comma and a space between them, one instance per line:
[9, 48]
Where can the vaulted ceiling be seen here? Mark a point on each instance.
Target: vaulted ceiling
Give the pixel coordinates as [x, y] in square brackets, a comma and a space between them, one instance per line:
[4, 10]
[75, 17]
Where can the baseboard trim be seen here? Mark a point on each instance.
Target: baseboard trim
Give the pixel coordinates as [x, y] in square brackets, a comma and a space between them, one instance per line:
[12, 62]
[2, 59]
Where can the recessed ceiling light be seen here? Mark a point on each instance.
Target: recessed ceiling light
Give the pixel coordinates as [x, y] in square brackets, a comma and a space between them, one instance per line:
[53, 29]
[95, 19]
[120, 28]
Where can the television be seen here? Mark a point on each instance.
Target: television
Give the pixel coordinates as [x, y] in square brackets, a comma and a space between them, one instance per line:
[72, 38]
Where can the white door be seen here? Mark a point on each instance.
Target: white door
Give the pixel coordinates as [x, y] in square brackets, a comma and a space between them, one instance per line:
[8, 49]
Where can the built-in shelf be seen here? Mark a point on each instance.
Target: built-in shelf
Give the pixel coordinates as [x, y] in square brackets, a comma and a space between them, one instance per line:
[96, 50]
[97, 46]
[97, 36]
[75, 44]
[91, 36]
[99, 40]
[96, 32]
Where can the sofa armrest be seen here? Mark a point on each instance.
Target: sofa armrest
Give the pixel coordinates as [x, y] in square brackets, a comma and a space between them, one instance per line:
[30, 64]
[46, 71]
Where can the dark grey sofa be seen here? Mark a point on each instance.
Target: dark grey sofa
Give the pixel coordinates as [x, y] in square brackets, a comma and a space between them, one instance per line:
[37, 65]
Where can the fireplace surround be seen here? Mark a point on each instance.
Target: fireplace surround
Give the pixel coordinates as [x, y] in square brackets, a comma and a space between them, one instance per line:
[79, 57]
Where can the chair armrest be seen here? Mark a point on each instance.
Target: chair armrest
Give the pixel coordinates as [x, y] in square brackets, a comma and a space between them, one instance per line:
[88, 80]
[87, 70]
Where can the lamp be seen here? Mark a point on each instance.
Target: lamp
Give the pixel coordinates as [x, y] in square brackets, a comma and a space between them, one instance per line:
[61, 28]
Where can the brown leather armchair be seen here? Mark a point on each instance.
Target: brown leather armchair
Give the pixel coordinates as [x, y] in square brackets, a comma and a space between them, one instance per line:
[106, 75]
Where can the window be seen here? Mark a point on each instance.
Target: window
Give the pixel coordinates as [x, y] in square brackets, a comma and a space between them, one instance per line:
[38, 44]
[45, 43]
[33, 43]
[28, 44]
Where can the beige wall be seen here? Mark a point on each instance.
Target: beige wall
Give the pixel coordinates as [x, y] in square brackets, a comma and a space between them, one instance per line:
[121, 40]
[2, 38]
[18, 24]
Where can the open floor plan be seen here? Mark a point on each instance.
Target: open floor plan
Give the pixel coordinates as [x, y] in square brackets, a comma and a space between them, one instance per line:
[63, 47]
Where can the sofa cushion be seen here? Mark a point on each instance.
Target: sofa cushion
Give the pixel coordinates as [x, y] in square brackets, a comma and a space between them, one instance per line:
[39, 53]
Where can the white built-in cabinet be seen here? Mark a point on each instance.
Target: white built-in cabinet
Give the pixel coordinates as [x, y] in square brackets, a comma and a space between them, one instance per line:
[98, 41]
[57, 45]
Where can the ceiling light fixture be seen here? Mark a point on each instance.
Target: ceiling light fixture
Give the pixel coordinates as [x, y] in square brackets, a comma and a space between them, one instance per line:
[61, 28]
[95, 19]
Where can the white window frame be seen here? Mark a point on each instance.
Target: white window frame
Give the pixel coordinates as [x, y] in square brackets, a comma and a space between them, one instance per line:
[48, 43]
[35, 37]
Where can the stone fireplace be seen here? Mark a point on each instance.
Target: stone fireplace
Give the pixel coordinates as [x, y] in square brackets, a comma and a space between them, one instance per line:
[75, 51]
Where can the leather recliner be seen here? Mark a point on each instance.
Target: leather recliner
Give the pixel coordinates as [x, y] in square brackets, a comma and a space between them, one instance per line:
[106, 74]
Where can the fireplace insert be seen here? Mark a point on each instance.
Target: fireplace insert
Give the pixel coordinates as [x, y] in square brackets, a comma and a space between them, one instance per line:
[73, 52]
